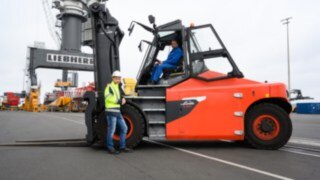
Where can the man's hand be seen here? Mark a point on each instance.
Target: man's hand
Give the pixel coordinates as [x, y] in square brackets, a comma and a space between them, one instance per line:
[123, 101]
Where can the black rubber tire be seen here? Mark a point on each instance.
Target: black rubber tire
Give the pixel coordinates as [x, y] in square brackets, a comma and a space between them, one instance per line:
[278, 113]
[138, 125]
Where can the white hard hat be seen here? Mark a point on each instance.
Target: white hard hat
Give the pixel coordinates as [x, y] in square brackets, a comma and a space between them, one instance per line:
[116, 74]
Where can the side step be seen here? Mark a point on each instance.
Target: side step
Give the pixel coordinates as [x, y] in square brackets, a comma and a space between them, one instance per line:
[157, 123]
[152, 100]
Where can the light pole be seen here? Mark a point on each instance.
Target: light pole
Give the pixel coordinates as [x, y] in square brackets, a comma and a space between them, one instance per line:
[286, 21]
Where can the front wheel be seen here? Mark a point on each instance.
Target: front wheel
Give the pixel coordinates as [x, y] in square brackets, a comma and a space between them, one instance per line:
[135, 123]
[267, 126]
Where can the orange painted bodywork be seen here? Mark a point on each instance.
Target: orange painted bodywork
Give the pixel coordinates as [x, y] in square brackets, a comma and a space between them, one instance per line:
[214, 118]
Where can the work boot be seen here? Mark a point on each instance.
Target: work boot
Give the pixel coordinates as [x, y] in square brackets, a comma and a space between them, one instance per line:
[151, 82]
[126, 150]
[113, 151]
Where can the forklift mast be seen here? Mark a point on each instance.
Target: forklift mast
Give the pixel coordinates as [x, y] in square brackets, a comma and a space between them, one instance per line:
[106, 38]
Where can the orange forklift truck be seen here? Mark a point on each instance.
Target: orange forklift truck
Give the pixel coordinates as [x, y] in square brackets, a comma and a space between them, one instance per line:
[205, 98]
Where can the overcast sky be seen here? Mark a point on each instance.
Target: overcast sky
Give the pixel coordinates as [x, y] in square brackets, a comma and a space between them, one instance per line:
[250, 29]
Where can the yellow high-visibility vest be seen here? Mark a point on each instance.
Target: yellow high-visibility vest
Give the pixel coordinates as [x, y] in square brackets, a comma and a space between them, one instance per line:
[112, 96]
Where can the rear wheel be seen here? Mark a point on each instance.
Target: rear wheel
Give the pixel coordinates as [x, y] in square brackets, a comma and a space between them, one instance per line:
[267, 126]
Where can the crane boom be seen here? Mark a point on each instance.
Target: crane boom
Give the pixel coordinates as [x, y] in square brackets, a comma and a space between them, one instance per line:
[54, 33]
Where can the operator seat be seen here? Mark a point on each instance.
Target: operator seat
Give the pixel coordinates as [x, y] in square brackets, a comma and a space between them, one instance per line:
[172, 72]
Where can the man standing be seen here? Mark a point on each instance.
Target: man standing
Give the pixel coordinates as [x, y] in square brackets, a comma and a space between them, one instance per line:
[113, 101]
[170, 63]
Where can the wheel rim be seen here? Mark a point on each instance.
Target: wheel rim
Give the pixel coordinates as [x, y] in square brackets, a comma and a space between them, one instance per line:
[266, 127]
[130, 126]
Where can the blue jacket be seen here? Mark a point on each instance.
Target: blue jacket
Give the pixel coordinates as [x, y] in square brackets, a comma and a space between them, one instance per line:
[174, 57]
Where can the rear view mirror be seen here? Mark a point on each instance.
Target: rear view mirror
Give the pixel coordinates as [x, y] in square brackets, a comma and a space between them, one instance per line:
[141, 44]
[131, 29]
[152, 19]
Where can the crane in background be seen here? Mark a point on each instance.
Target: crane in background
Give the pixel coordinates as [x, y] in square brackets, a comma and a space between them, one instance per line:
[52, 23]
[68, 55]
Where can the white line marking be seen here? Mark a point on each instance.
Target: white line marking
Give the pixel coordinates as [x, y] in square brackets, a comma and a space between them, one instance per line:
[76, 115]
[305, 141]
[223, 161]
[298, 152]
[71, 114]
[71, 120]
[302, 148]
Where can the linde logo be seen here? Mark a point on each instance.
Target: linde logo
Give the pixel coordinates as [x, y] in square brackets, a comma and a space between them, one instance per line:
[187, 104]
[59, 58]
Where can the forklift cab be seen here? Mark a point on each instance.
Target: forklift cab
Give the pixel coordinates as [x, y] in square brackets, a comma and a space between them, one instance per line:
[159, 48]
[204, 55]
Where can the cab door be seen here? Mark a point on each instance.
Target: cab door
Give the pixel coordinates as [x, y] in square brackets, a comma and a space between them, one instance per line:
[207, 54]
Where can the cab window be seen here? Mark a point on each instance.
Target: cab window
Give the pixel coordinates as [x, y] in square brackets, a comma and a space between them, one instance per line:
[208, 56]
[203, 40]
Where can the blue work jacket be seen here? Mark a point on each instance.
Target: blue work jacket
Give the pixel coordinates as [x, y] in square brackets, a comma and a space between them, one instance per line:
[174, 57]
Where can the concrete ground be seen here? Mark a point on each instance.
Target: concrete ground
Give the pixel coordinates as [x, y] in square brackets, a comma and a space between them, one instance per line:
[299, 159]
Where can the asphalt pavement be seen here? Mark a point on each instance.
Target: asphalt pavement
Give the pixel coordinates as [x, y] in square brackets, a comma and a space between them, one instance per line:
[299, 159]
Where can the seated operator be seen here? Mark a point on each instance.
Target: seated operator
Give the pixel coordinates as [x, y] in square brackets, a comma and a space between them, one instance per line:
[170, 63]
